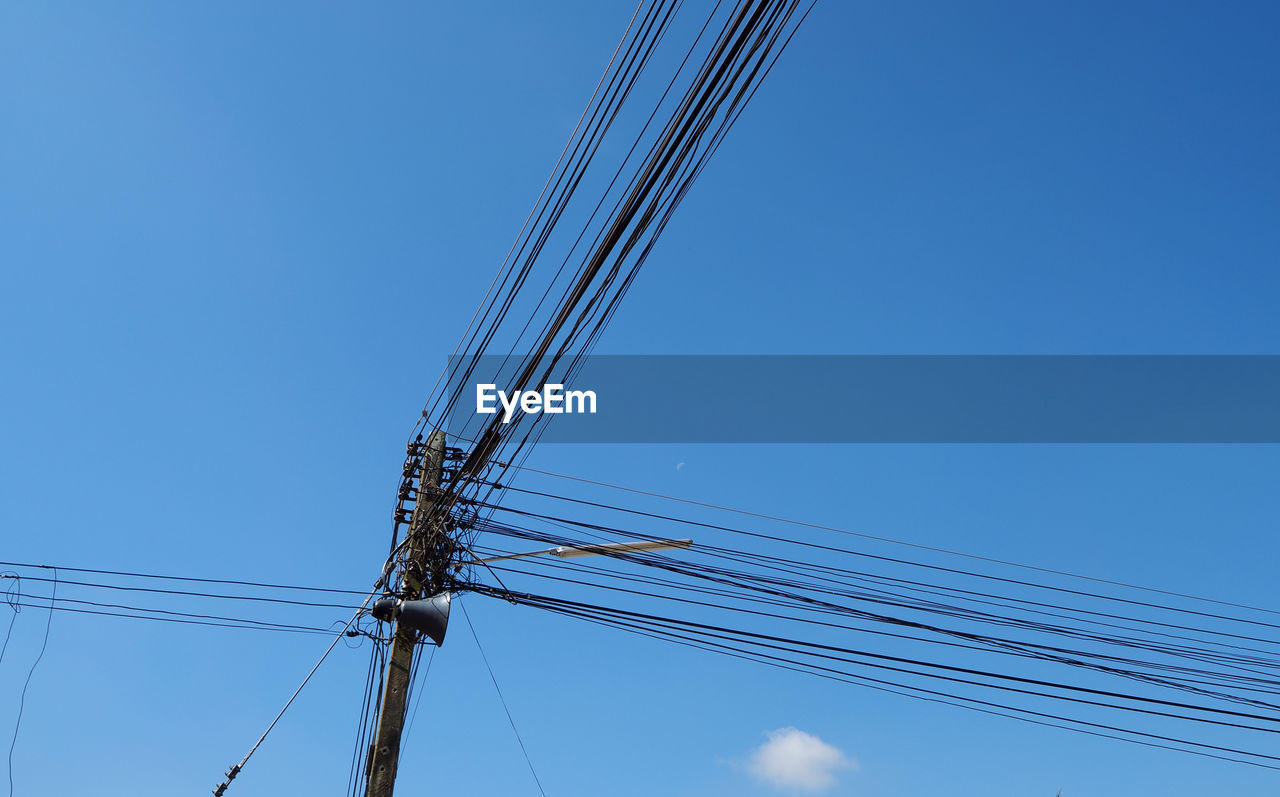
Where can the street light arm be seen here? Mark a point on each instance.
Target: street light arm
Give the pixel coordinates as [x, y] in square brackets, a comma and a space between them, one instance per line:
[607, 549]
[601, 549]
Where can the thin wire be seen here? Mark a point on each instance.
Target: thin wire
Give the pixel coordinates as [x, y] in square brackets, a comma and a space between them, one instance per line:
[984, 639]
[537, 203]
[771, 589]
[189, 594]
[235, 769]
[557, 605]
[23, 702]
[239, 621]
[11, 595]
[969, 703]
[417, 699]
[498, 689]
[180, 578]
[510, 531]
[368, 719]
[361, 724]
[891, 540]
[653, 194]
[9, 633]
[181, 621]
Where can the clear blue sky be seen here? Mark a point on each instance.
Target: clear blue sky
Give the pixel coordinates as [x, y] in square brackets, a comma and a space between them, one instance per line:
[237, 243]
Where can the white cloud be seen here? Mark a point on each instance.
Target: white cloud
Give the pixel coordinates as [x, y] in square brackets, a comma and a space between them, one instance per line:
[793, 759]
[679, 465]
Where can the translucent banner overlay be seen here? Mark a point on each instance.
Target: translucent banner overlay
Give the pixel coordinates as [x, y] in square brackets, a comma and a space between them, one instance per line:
[877, 399]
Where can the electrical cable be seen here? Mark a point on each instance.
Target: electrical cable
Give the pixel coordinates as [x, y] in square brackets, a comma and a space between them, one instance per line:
[502, 699]
[180, 578]
[893, 541]
[22, 702]
[236, 768]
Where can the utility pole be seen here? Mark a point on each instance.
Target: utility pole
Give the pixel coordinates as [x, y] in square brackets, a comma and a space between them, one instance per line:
[429, 549]
[432, 555]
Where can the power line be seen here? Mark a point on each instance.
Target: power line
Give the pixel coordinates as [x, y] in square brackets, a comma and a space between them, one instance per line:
[190, 618]
[11, 593]
[235, 768]
[417, 698]
[190, 594]
[729, 582]
[734, 61]
[797, 588]
[651, 624]
[863, 554]
[944, 671]
[22, 703]
[890, 540]
[180, 578]
[918, 693]
[775, 565]
[987, 644]
[502, 699]
[370, 705]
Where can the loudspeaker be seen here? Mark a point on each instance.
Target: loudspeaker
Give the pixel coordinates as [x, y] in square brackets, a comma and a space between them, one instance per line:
[429, 616]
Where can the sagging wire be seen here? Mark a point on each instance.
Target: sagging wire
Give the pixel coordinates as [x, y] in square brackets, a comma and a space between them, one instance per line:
[22, 703]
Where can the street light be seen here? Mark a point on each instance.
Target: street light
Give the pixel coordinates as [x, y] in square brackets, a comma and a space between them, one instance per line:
[601, 549]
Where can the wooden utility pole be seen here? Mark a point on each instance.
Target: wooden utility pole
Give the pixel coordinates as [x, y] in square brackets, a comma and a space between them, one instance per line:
[424, 569]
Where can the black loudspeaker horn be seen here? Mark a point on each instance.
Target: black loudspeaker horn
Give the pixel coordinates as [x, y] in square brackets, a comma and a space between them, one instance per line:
[429, 616]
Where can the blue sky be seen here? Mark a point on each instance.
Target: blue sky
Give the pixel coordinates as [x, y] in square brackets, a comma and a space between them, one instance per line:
[239, 242]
